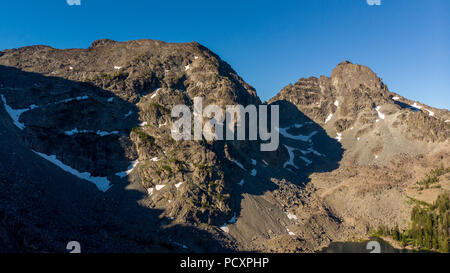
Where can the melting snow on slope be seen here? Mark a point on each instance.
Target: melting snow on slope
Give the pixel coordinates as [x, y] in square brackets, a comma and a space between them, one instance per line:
[239, 164]
[283, 132]
[311, 150]
[16, 113]
[150, 191]
[98, 132]
[290, 162]
[104, 133]
[415, 105]
[224, 228]
[380, 115]
[290, 232]
[328, 118]
[129, 169]
[429, 112]
[102, 183]
[291, 216]
[72, 99]
[159, 187]
[233, 219]
[155, 93]
[308, 162]
[128, 114]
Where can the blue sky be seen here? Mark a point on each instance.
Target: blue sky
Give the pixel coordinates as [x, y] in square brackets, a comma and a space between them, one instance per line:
[269, 43]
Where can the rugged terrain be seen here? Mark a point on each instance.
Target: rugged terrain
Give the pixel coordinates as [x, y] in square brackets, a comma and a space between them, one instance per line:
[350, 154]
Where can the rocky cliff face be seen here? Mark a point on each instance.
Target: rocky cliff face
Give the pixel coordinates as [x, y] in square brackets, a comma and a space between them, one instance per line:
[349, 149]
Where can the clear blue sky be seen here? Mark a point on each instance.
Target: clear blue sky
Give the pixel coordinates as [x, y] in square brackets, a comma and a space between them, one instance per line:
[269, 43]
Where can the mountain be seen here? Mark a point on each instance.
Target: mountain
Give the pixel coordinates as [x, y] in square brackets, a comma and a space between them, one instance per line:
[87, 154]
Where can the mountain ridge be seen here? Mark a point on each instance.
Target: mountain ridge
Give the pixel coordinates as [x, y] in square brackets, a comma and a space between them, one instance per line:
[334, 132]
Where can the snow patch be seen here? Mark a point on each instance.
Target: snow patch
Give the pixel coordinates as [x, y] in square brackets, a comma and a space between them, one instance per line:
[155, 93]
[291, 216]
[79, 98]
[178, 185]
[339, 137]
[415, 105]
[224, 228]
[150, 191]
[380, 115]
[336, 103]
[241, 183]
[311, 150]
[187, 67]
[111, 99]
[328, 118]
[290, 232]
[396, 98]
[429, 112]
[308, 162]
[130, 168]
[283, 132]
[128, 114]
[103, 133]
[239, 164]
[290, 162]
[102, 183]
[117, 67]
[254, 172]
[16, 113]
[142, 124]
[98, 132]
[159, 187]
[155, 159]
[233, 219]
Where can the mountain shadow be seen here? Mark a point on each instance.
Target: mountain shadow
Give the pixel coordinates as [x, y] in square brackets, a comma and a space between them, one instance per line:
[305, 148]
[43, 207]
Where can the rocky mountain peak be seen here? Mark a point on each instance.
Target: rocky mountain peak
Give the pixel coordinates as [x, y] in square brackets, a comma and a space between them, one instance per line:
[102, 115]
[348, 77]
